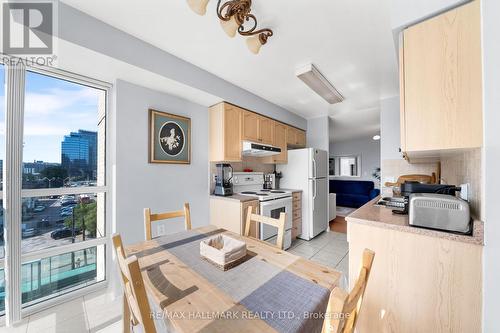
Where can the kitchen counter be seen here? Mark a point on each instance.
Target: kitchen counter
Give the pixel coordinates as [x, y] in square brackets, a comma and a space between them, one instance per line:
[244, 198]
[234, 197]
[421, 280]
[382, 217]
[288, 189]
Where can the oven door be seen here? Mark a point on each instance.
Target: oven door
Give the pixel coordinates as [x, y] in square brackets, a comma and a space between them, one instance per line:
[273, 208]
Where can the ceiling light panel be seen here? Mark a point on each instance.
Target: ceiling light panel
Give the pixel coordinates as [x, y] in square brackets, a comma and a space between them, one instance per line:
[315, 80]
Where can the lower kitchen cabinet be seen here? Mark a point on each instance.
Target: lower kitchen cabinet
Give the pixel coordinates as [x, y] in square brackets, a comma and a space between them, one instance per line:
[297, 214]
[231, 214]
[418, 283]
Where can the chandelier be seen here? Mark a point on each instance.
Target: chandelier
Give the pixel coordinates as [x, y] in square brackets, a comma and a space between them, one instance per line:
[233, 15]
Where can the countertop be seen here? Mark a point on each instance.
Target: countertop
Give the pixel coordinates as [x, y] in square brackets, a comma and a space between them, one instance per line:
[234, 197]
[244, 198]
[382, 217]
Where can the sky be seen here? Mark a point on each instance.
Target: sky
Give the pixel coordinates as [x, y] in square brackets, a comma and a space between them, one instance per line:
[53, 108]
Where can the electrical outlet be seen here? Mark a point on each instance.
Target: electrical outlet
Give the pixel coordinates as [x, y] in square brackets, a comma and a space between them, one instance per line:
[464, 191]
[161, 230]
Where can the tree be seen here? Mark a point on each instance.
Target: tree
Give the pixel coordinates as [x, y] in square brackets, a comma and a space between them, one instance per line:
[84, 214]
[56, 174]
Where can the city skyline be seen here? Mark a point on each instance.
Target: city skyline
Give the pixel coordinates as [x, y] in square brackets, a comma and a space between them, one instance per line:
[53, 108]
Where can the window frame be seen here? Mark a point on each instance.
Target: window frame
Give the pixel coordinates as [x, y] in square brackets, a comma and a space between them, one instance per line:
[336, 161]
[103, 241]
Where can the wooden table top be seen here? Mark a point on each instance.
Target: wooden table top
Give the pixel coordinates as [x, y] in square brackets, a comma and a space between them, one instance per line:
[190, 300]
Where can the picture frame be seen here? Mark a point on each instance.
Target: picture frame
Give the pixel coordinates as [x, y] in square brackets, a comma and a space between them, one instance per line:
[169, 138]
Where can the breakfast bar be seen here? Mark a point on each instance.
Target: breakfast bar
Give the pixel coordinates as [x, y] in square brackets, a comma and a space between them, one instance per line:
[423, 280]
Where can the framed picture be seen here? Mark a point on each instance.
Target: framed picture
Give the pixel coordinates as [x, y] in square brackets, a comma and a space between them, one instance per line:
[169, 138]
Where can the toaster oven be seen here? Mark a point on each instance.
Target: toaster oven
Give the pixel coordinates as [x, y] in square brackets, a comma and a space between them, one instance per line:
[440, 211]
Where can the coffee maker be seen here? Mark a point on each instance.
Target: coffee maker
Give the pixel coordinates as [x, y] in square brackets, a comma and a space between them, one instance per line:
[223, 183]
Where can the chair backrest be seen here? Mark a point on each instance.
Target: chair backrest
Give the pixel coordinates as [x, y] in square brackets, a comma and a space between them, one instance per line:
[278, 223]
[149, 218]
[425, 179]
[343, 308]
[137, 310]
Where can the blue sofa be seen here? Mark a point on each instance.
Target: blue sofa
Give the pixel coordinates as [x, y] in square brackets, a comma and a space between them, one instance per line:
[353, 193]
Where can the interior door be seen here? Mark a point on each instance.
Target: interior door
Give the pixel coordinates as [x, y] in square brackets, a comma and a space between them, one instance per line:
[320, 206]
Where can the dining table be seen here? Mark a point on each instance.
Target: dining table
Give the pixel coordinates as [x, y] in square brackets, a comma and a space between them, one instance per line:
[271, 290]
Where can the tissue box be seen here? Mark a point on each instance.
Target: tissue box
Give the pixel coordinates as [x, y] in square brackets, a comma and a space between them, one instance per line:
[222, 251]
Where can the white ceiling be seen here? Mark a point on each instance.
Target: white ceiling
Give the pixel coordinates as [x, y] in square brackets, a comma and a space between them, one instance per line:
[350, 41]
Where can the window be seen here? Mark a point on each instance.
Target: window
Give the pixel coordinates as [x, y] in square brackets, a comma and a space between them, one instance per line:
[63, 186]
[2, 157]
[345, 166]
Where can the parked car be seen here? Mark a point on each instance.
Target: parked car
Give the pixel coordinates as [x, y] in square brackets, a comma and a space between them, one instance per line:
[38, 209]
[61, 233]
[68, 202]
[66, 213]
[28, 232]
[71, 206]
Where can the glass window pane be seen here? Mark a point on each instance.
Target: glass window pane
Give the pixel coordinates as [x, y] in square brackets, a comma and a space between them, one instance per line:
[2, 157]
[59, 220]
[63, 133]
[48, 277]
[2, 291]
[2, 123]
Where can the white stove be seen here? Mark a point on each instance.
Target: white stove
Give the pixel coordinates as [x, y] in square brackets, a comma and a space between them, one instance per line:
[266, 195]
[272, 203]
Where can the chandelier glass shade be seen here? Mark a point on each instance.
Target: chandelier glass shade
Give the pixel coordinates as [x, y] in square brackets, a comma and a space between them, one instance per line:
[235, 17]
[198, 6]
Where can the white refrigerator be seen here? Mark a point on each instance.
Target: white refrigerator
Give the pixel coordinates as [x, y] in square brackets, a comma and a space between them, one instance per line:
[307, 170]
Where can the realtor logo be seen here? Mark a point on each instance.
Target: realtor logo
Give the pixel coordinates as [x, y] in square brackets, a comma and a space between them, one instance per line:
[28, 27]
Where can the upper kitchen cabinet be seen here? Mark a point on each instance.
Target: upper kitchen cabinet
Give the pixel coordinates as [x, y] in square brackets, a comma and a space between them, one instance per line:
[295, 138]
[440, 63]
[250, 126]
[279, 141]
[266, 130]
[225, 133]
[301, 138]
[257, 128]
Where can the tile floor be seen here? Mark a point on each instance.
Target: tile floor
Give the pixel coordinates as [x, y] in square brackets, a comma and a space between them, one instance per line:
[100, 312]
[330, 249]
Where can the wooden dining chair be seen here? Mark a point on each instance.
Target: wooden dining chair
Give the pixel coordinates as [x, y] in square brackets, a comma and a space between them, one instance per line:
[278, 223]
[343, 308]
[136, 310]
[149, 218]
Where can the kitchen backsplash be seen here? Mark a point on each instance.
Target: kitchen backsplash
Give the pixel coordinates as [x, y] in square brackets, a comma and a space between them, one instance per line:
[392, 169]
[466, 167]
[248, 163]
[457, 168]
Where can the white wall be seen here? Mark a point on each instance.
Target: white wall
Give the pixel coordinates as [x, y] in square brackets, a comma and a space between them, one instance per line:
[390, 140]
[491, 86]
[87, 31]
[318, 133]
[369, 150]
[161, 187]
[407, 12]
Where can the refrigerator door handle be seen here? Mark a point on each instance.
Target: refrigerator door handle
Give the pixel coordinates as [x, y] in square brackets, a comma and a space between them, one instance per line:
[314, 193]
[314, 168]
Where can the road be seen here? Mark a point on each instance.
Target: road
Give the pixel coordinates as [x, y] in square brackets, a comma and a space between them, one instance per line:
[42, 240]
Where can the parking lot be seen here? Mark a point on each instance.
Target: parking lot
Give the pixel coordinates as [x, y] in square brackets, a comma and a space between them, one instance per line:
[44, 223]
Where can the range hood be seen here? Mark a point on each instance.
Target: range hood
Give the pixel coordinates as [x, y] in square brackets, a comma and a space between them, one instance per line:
[259, 149]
